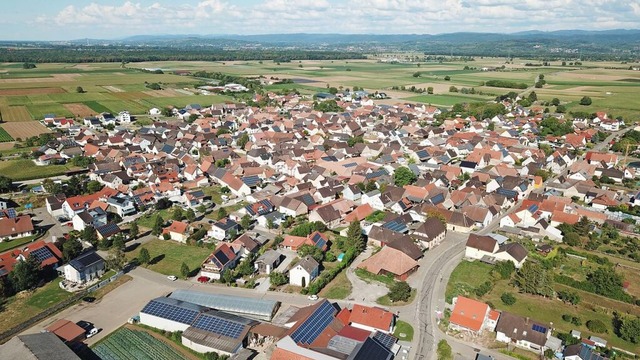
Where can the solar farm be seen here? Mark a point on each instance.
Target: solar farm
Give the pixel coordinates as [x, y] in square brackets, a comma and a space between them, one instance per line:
[127, 344]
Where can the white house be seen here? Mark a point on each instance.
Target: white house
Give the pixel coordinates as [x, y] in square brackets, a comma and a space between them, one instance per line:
[177, 231]
[522, 332]
[304, 272]
[223, 228]
[479, 246]
[124, 117]
[85, 268]
[95, 217]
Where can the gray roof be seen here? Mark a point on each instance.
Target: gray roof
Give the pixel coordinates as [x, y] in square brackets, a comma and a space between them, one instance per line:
[253, 308]
[85, 260]
[269, 257]
[42, 346]
[308, 264]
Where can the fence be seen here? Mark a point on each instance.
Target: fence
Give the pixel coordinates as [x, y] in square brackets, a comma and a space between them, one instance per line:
[6, 335]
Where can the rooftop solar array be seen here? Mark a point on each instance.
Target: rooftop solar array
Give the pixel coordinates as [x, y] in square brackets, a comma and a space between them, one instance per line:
[251, 181]
[220, 258]
[373, 350]
[540, 329]
[220, 326]
[311, 328]
[11, 213]
[255, 308]
[172, 309]
[385, 339]
[396, 226]
[349, 165]
[318, 240]
[376, 174]
[42, 254]
[108, 229]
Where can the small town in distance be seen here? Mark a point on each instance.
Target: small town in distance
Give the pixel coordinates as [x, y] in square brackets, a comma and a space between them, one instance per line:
[329, 197]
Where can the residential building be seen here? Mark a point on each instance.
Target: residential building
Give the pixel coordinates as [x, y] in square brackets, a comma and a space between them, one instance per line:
[304, 272]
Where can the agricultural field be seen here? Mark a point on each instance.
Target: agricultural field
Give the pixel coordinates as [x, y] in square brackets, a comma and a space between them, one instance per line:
[24, 169]
[25, 129]
[15, 113]
[126, 344]
[4, 136]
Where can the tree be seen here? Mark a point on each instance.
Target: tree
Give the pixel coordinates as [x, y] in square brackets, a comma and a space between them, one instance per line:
[118, 242]
[270, 224]
[430, 90]
[316, 253]
[561, 109]
[533, 97]
[242, 140]
[508, 298]
[354, 236]
[628, 328]
[245, 222]
[453, 89]
[596, 326]
[404, 176]
[416, 74]
[569, 296]
[167, 112]
[144, 257]
[89, 235]
[80, 90]
[25, 274]
[605, 281]
[6, 184]
[116, 259]
[94, 186]
[399, 291]
[177, 214]
[163, 203]
[447, 78]
[28, 65]
[555, 101]
[157, 226]
[222, 213]
[586, 101]
[504, 268]
[184, 270]
[193, 117]
[532, 278]
[71, 249]
[277, 278]
[134, 231]
[190, 215]
[444, 351]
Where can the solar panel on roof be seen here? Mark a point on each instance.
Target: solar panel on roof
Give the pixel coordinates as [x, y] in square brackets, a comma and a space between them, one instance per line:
[349, 165]
[385, 339]
[219, 326]
[251, 181]
[170, 312]
[315, 324]
[11, 213]
[540, 329]
[108, 229]
[395, 226]
[221, 257]
[42, 254]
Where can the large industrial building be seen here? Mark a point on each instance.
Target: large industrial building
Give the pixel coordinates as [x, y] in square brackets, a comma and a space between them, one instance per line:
[256, 309]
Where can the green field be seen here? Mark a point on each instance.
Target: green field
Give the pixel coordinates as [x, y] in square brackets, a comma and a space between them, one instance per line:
[465, 277]
[339, 288]
[125, 344]
[405, 328]
[4, 136]
[170, 255]
[447, 100]
[24, 169]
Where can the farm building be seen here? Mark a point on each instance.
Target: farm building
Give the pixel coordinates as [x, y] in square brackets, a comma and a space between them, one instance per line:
[248, 307]
[42, 346]
[170, 314]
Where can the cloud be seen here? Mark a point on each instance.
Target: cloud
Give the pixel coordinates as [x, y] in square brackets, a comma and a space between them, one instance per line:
[336, 16]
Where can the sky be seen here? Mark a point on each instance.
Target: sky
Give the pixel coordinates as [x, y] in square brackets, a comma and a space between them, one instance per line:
[114, 19]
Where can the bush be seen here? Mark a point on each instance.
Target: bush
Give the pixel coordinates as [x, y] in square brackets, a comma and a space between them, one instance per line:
[596, 326]
[400, 291]
[508, 298]
[484, 288]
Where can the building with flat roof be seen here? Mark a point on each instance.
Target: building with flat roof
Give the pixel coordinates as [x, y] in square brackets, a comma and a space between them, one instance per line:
[257, 309]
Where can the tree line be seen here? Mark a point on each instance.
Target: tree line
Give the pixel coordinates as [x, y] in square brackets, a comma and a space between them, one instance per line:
[73, 54]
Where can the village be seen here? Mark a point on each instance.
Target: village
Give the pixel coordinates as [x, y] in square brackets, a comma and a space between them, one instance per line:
[289, 200]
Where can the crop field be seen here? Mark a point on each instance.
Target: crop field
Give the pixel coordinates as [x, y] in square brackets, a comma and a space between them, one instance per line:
[79, 110]
[25, 130]
[14, 113]
[133, 344]
[33, 91]
[4, 136]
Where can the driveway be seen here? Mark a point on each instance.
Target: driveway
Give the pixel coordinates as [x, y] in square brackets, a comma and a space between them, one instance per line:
[362, 291]
[265, 283]
[43, 220]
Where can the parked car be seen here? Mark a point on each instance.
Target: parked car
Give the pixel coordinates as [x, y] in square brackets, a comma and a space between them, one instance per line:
[134, 319]
[89, 299]
[172, 277]
[203, 279]
[313, 297]
[93, 331]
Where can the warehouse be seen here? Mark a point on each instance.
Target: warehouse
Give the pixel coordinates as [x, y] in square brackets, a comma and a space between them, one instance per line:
[170, 314]
[217, 331]
[256, 309]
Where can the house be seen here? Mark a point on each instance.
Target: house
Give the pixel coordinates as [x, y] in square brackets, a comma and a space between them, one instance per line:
[121, 205]
[223, 258]
[223, 229]
[95, 217]
[430, 233]
[469, 315]
[599, 342]
[372, 319]
[268, 261]
[67, 331]
[177, 231]
[514, 252]
[304, 272]
[316, 239]
[581, 352]
[479, 246]
[54, 205]
[84, 268]
[47, 253]
[390, 261]
[107, 231]
[16, 227]
[522, 332]
[327, 215]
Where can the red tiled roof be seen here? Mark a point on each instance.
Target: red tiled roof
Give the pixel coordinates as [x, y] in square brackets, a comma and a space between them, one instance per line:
[177, 227]
[9, 258]
[374, 317]
[354, 333]
[469, 313]
[14, 226]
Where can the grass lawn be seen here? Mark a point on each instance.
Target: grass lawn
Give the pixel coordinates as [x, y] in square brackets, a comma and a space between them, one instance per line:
[403, 328]
[24, 169]
[339, 288]
[10, 244]
[214, 192]
[149, 220]
[48, 295]
[167, 256]
[467, 276]
[385, 301]
[369, 277]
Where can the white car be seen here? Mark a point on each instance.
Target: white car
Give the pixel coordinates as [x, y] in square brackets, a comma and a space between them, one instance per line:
[313, 297]
[172, 277]
[92, 331]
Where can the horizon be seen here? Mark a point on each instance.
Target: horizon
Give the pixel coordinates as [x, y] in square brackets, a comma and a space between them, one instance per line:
[37, 20]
